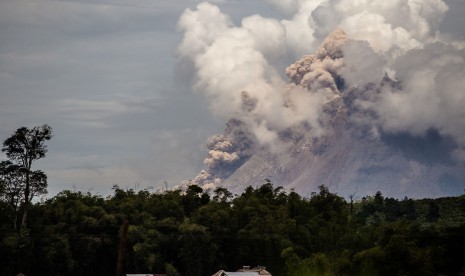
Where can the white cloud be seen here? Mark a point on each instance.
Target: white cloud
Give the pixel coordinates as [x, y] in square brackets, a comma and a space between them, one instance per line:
[432, 95]
[373, 39]
[82, 65]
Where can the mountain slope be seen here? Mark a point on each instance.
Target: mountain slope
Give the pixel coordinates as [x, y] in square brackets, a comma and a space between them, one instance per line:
[351, 164]
[334, 130]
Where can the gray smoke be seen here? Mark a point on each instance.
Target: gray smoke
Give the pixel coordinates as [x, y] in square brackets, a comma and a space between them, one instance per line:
[226, 153]
[319, 72]
[384, 64]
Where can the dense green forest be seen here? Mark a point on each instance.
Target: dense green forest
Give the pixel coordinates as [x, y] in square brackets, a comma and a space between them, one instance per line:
[194, 233]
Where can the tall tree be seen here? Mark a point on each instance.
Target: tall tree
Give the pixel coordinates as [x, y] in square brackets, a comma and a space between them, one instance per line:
[12, 186]
[22, 148]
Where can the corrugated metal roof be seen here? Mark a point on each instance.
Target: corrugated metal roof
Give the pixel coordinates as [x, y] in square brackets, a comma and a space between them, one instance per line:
[248, 273]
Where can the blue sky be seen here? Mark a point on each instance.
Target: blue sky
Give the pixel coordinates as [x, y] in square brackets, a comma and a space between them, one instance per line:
[105, 75]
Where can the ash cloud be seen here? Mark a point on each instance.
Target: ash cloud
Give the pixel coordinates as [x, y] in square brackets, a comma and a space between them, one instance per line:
[226, 153]
[385, 65]
[319, 72]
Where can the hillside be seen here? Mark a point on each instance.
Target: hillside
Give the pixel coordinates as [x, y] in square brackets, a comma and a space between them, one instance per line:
[348, 147]
[193, 233]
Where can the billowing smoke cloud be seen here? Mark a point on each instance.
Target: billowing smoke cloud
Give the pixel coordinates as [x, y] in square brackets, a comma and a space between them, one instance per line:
[221, 152]
[222, 159]
[357, 46]
[318, 72]
[226, 153]
[431, 95]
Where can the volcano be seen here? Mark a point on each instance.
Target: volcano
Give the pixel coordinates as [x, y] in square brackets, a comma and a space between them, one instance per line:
[351, 161]
[347, 148]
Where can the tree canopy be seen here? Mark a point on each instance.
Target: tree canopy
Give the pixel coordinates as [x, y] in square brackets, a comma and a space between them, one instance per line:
[20, 184]
[192, 232]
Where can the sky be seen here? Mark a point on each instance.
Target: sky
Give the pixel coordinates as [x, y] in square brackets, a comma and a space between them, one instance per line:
[107, 76]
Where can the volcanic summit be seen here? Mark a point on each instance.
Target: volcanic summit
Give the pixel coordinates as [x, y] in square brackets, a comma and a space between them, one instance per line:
[367, 111]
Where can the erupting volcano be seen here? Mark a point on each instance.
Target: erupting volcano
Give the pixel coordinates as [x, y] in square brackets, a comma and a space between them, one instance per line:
[378, 106]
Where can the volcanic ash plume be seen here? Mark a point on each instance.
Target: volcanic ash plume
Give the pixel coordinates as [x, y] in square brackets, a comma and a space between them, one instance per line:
[379, 71]
[320, 71]
[226, 153]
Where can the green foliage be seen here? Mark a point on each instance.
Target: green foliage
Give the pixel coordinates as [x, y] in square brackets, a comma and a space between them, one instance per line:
[171, 270]
[19, 184]
[193, 233]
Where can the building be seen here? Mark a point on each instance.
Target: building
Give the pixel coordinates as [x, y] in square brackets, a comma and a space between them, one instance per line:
[245, 271]
[145, 274]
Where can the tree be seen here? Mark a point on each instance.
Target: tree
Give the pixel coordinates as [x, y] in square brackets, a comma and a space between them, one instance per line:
[22, 148]
[12, 186]
[197, 250]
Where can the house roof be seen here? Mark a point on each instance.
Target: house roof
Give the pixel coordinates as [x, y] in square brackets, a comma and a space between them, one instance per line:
[226, 273]
[244, 272]
[145, 274]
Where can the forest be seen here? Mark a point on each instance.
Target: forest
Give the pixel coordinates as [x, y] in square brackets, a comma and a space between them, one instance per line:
[191, 232]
